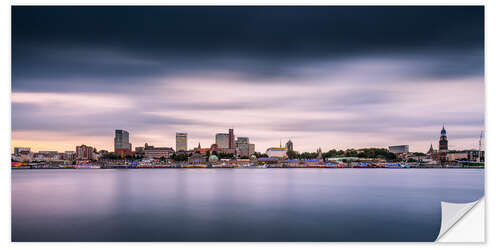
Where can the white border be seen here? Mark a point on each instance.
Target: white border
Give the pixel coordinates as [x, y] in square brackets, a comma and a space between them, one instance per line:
[492, 14]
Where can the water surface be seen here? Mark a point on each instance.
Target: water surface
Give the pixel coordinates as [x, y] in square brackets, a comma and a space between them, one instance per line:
[236, 204]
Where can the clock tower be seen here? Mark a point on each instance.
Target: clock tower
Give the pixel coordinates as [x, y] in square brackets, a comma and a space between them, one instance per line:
[443, 146]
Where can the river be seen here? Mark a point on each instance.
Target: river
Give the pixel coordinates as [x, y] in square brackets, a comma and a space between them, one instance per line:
[236, 204]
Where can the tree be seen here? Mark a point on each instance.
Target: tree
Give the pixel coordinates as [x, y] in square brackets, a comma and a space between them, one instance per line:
[260, 155]
[292, 154]
[226, 155]
[308, 155]
[179, 157]
[330, 153]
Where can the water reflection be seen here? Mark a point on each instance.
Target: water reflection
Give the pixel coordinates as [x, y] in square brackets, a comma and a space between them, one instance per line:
[236, 204]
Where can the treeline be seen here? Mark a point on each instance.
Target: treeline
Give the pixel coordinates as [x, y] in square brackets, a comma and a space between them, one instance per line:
[380, 153]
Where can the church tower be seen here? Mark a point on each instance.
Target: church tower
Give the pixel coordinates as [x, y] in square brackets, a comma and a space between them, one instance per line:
[430, 151]
[320, 155]
[443, 146]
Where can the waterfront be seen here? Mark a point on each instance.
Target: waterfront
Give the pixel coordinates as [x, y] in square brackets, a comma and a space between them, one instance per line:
[236, 204]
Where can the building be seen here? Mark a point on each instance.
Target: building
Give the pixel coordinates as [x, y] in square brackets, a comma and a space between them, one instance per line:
[231, 139]
[181, 142]
[122, 140]
[319, 155]
[24, 156]
[226, 151]
[197, 158]
[431, 151]
[122, 145]
[276, 152]
[400, 149]
[18, 150]
[443, 146]
[225, 141]
[69, 155]
[158, 152]
[464, 155]
[242, 144]
[244, 148]
[44, 156]
[84, 152]
[222, 140]
[289, 145]
[213, 158]
[242, 141]
[251, 149]
[200, 150]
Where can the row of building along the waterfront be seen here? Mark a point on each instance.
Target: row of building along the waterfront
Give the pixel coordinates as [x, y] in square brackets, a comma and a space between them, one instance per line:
[229, 146]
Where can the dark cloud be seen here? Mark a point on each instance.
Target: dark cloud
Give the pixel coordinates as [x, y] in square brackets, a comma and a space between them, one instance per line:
[245, 29]
[123, 45]
[33, 117]
[376, 123]
[361, 61]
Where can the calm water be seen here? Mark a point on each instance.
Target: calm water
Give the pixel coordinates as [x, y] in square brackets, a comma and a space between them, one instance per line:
[236, 204]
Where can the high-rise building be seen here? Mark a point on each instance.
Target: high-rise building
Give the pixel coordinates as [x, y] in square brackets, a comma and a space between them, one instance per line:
[181, 142]
[122, 140]
[122, 145]
[84, 152]
[231, 139]
[251, 149]
[222, 140]
[243, 147]
[242, 141]
[443, 145]
[289, 145]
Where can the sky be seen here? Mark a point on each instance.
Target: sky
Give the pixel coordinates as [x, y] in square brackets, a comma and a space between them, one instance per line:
[332, 77]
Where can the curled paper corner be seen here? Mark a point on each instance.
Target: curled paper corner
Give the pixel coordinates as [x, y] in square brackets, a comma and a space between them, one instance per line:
[451, 213]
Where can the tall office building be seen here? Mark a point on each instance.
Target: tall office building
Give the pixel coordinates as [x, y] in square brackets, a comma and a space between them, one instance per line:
[222, 140]
[84, 152]
[242, 140]
[231, 139]
[122, 140]
[244, 148]
[181, 142]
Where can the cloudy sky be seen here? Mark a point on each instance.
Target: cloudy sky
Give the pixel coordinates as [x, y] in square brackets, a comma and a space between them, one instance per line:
[329, 77]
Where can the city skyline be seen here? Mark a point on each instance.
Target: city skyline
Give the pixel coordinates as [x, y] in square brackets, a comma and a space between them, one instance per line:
[225, 142]
[331, 81]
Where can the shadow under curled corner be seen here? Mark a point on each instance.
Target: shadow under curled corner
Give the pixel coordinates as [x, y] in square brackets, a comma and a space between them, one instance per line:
[451, 214]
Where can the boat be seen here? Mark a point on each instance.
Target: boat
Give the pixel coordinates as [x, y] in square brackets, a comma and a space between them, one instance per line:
[86, 166]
